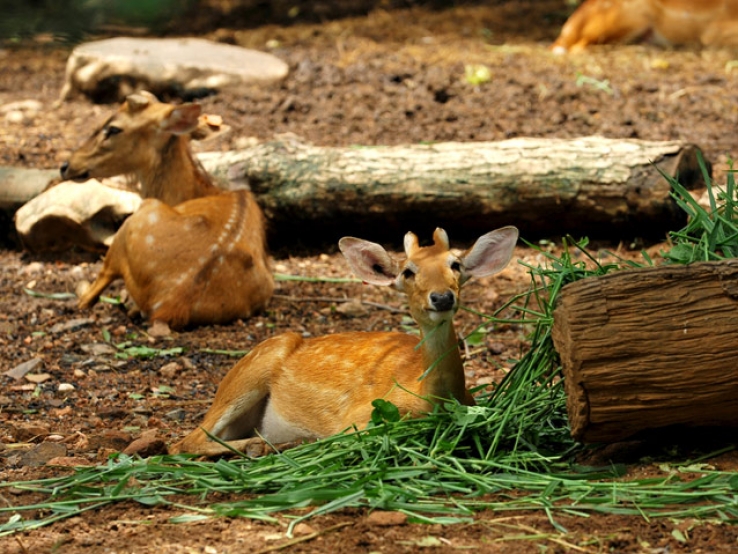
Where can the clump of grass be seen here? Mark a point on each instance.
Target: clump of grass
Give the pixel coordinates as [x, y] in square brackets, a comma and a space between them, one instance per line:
[512, 451]
[710, 234]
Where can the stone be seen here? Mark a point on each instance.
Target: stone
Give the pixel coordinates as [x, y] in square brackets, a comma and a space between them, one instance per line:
[41, 454]
[108, 70]
[74, 214]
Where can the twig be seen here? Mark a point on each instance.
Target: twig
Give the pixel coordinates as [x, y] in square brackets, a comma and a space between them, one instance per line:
[306, 538]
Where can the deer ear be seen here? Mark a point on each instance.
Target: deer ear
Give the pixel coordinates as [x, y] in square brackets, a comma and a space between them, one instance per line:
[491, 253]
[369, 261]
[181, 120]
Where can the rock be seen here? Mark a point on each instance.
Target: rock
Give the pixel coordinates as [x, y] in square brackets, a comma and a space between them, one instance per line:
[74, 214]
[111, 439]
[21, 112]
[108, 70]
[148, 444]
[26, 432]
[69, 461]
[159, 329]
[30, 106]
[352, 308]
[42, 453]
[38, 378]
[386, 519]
[171, 369]
[71, 325]
[20, 371]
[99, 349]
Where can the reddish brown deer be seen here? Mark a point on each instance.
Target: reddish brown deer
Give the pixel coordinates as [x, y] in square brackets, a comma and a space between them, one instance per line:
[702, 22]
[191, 254]
[289, 388]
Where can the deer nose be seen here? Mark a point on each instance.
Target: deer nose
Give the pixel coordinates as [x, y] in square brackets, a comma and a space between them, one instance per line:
[442, 301]
[63, 168]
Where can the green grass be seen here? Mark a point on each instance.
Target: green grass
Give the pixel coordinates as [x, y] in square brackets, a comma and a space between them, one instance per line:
[512, 451]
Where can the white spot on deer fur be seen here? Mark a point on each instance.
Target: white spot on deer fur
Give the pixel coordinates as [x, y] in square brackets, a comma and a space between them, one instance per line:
[201, 260]
[221, 259]
[149, 240]
[156, 305]
[214, 248]
[153, 218]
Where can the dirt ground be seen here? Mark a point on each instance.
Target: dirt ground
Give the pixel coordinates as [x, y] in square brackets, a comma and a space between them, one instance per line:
[392, 76]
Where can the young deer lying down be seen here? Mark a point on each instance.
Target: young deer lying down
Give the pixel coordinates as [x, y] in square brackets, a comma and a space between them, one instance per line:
[289, 388]
[191, 254]
[705, 22]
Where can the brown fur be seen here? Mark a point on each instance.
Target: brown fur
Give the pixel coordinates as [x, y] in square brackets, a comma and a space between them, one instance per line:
[289, 388]
[192, 254]
[701, 22]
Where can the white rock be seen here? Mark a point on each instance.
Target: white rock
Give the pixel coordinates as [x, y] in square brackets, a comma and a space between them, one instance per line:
[155, 64]
[22, 106]
[74, 214]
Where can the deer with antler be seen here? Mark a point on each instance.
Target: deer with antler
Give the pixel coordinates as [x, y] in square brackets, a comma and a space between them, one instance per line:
[289, 388]
[192, 253]
[702, 22]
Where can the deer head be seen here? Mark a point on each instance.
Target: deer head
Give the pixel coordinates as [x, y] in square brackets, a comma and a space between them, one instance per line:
[149, 140]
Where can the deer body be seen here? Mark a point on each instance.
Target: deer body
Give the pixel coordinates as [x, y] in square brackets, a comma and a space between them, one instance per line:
[705, 22]
[290, 388]
[191, 254]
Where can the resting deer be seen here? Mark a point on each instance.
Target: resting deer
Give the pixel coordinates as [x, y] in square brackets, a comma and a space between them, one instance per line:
[191, 254]
[705, 22]
[289, 388]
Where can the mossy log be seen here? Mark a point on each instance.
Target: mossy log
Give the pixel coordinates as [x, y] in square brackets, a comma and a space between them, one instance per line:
[650, 348]
[591, 186]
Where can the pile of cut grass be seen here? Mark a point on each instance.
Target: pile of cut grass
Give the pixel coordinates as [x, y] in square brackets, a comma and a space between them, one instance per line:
[512, 451]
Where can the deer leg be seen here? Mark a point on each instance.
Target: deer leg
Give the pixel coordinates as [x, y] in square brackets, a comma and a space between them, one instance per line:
[92, 294]
[241, 401]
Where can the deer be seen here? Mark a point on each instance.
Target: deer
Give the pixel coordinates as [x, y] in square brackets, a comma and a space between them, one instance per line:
[708, 23]
[192, 254]
[291, 389]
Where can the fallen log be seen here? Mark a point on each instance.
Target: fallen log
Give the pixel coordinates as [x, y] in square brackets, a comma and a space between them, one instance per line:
[592, 185]
[650, 348]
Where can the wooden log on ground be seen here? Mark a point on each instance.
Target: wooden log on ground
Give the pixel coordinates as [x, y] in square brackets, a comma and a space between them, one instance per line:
[650, 348]
[586, 186]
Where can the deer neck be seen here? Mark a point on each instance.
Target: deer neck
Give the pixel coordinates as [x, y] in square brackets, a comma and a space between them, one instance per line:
[175, 176]
[440, 350]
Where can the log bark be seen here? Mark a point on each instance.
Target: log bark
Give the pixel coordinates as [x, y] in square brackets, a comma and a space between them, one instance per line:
[591, 185]
[19, 185]
[650, 348]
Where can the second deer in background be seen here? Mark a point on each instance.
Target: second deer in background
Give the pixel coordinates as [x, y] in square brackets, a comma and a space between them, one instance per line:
[701, 22]
[192, 254]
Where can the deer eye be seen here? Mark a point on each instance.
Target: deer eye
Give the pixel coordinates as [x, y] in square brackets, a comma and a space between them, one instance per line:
[110, 130]
[456, 266]
[408, 273]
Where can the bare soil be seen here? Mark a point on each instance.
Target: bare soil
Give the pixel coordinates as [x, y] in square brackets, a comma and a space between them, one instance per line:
[392, 76]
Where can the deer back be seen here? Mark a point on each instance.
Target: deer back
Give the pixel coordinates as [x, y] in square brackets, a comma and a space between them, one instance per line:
[203, 261]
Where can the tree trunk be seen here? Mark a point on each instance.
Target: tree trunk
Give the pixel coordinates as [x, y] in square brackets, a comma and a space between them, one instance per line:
[650, 348]
[590, 186]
